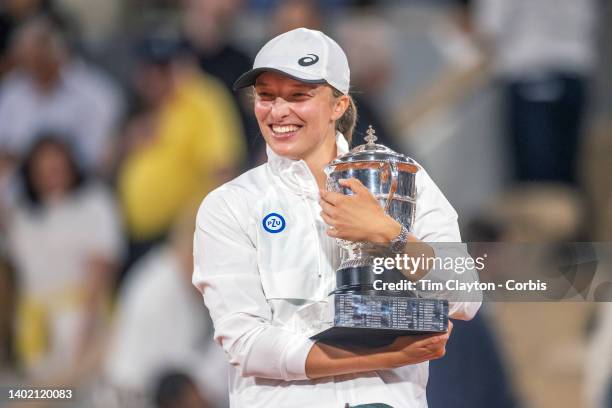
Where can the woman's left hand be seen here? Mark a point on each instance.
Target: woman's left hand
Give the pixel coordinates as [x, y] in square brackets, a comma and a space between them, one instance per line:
[357, 217]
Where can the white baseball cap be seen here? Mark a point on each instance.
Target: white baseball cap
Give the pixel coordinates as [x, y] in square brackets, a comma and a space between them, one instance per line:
[304, 55]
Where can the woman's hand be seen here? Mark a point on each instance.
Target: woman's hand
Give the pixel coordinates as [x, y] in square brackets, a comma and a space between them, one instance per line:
[358, 217]
[417, 349]
[325, 360]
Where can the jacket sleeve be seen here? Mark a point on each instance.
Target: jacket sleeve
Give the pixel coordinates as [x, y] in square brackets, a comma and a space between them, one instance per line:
[436, 224]
[227, 275]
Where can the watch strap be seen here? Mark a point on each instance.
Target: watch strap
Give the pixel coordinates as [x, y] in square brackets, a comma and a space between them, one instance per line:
[398, 243]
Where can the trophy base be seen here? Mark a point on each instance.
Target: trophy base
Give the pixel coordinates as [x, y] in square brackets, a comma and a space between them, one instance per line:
[375, 320]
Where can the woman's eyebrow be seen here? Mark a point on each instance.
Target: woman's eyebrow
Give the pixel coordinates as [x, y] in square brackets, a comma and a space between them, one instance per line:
[303, 87]
[294, 87]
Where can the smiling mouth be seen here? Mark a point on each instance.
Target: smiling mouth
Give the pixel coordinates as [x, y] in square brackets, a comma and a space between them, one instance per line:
[284, 130]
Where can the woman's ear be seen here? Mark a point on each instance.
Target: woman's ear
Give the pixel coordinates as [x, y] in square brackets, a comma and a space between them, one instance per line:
[340, 106]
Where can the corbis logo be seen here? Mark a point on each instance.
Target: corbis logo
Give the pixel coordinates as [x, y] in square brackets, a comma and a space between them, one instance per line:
[274, 223]
[309, 59]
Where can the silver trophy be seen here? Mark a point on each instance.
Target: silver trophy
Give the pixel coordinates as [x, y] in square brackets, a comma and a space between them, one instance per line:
[356, 311]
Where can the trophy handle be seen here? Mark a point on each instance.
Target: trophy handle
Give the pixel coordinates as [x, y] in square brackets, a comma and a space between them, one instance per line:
[393, 188]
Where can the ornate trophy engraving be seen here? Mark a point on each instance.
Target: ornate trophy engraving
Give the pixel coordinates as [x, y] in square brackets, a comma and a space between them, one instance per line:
[357, 312]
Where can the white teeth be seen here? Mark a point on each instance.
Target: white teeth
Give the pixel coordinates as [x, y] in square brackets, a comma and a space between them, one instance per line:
[284, 129]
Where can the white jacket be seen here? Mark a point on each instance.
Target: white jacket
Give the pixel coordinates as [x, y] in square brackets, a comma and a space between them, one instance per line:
[253, 281]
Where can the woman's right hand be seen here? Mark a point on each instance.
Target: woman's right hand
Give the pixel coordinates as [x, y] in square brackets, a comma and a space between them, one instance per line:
[407, 350]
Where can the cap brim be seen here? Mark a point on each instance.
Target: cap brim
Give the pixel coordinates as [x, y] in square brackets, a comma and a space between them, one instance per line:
[248, 78]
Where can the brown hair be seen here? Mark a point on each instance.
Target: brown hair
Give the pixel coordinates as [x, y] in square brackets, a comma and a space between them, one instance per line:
[346, 123]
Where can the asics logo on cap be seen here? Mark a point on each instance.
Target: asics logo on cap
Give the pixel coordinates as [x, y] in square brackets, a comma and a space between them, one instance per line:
[309, 59]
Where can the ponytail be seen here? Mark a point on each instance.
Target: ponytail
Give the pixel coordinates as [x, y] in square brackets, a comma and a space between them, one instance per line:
[346, 123]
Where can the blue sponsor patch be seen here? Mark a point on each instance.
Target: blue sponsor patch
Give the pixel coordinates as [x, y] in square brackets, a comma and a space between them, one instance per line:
[274, 223]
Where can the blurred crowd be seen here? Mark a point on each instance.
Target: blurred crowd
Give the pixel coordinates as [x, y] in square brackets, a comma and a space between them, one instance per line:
[117, 117]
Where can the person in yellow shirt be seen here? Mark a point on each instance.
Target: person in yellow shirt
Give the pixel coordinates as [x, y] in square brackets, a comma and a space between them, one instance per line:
[187, 142]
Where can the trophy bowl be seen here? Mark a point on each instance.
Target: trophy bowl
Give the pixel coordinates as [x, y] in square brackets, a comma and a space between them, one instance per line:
[390, 177]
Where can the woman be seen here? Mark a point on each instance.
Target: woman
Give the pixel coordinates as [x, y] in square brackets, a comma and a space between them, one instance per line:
[255, 275]
[65, 241]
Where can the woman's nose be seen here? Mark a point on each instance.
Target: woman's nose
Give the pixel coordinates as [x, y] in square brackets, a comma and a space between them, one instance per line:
[280, 108]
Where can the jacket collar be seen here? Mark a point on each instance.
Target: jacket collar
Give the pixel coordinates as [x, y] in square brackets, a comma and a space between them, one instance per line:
[295, 174]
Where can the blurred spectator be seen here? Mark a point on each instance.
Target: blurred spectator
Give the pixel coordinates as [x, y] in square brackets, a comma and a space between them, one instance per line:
[7, 193]
[538, 212]
[327, 5]
[292, 14]
[12, 14]
[176, 390]
[366, 34]
[207, 25]
[65, 241]
[185, 143]
[472, 373]
[49, 89]
[95, 20]
[161, 324]
[598, 367]
[465, 68]
[543, 52]
[7, 312]
[596, 170]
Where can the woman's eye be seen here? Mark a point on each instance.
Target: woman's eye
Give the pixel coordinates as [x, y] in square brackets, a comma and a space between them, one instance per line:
[265, 96]
[299, 95]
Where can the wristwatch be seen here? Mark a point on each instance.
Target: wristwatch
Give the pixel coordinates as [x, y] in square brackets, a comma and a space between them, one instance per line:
[398, 243]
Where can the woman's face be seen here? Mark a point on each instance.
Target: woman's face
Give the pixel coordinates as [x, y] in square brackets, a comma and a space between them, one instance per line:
[296, 119]
[51, 172]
